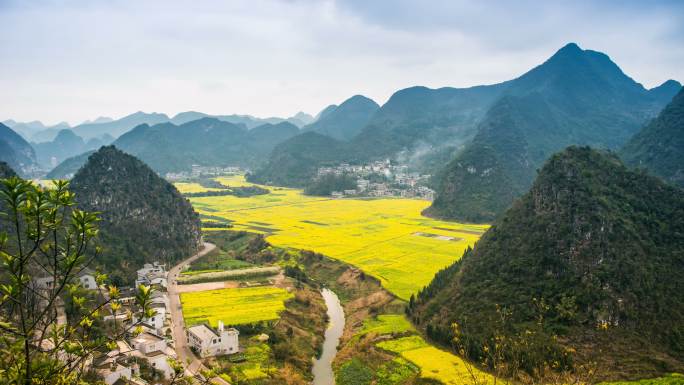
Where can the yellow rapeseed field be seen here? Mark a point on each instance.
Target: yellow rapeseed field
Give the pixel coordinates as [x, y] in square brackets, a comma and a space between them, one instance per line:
[233, 306]
[387, 238]
[436, 363]
[191, 187]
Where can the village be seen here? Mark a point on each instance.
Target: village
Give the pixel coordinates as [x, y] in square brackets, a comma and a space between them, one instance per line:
[381, 179]
[146, 351]
[198, 171]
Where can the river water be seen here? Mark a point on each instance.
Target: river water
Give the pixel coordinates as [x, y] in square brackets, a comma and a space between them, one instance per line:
[322, 367]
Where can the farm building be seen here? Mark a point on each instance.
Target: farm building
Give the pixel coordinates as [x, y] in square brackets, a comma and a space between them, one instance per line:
[209, 342]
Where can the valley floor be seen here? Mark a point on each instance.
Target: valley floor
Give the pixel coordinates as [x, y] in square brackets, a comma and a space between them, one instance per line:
[386, 238]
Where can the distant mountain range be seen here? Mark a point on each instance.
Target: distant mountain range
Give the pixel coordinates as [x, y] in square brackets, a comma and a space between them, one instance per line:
[16, 151]
[299, 120]
[659, 146]
[167, 147]
[576, 97]
[65, 145]
[37, 132]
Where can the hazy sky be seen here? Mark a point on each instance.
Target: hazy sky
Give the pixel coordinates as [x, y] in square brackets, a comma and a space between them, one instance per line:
[76, 60]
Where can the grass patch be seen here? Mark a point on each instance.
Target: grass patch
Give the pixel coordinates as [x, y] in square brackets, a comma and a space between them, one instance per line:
[227, 275]
[233, 306]
[386, 324]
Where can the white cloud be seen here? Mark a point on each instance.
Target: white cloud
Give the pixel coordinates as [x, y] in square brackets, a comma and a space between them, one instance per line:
[83, 59]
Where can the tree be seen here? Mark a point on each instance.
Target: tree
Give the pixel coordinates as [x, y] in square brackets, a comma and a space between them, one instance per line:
[45, 244]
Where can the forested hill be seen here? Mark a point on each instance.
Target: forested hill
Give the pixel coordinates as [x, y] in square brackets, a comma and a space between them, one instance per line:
[6, 171]
[295, 161]
[68, 168]
[592, 246]
[167, 147]
[576, 97]
[659, 147]
[345, 121]
[144, 218]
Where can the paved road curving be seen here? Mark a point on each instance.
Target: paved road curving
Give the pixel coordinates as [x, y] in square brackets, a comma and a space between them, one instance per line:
[192, 364]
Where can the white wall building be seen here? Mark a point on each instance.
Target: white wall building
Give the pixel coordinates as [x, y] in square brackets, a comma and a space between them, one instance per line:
[87, 279]
[154, 349]
[209, 342]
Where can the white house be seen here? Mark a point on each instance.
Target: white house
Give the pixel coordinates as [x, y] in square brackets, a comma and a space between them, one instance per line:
[209, 342]
[147, 343]
[87, 279]
[155, 267]
[116, 365]
[154, 349]
[152, 274]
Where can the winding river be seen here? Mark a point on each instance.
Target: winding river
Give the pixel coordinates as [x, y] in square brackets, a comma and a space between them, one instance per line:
[322, 367]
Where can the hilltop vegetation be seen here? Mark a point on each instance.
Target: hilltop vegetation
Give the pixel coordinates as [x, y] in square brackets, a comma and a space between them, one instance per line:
[207, 141]
[659, 146]
[144, 218]
[345, 121]
[576, 97]
[592, 254]
[295, 162]
[68, 168]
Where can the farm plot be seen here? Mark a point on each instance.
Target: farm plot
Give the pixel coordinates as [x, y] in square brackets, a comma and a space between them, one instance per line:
[375, 235]
[233, 306]
[435, 363]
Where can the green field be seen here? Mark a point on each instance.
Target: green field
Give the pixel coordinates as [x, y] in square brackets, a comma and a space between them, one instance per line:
[233, 306]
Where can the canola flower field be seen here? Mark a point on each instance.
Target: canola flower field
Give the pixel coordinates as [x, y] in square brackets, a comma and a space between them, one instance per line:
[386, 238]
[400, 337]
[233, 306]
[435, 363]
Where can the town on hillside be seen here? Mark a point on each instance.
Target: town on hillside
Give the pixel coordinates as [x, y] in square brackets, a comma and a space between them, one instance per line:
[382, 178]
[148, 348]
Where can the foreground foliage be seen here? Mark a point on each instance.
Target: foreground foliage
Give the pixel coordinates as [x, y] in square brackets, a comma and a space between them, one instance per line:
[51, 326]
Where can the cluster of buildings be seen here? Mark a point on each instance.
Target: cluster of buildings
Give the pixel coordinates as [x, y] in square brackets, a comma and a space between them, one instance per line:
[147, 348]
[198, 171]
[382, 179]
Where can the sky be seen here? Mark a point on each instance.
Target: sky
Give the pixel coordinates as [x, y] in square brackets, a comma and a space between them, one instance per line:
[73, 60]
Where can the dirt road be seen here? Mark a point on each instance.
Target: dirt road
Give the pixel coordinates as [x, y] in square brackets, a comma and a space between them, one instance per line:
[192, 364]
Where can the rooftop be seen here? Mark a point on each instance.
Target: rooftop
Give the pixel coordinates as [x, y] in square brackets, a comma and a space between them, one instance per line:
[203, 331]
[147, 337]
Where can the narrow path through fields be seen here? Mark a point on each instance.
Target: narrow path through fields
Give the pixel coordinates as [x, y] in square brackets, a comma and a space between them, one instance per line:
[193, 365]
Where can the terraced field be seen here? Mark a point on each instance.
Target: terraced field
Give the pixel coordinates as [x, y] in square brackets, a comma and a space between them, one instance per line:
[387, 238]
[233, 306]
